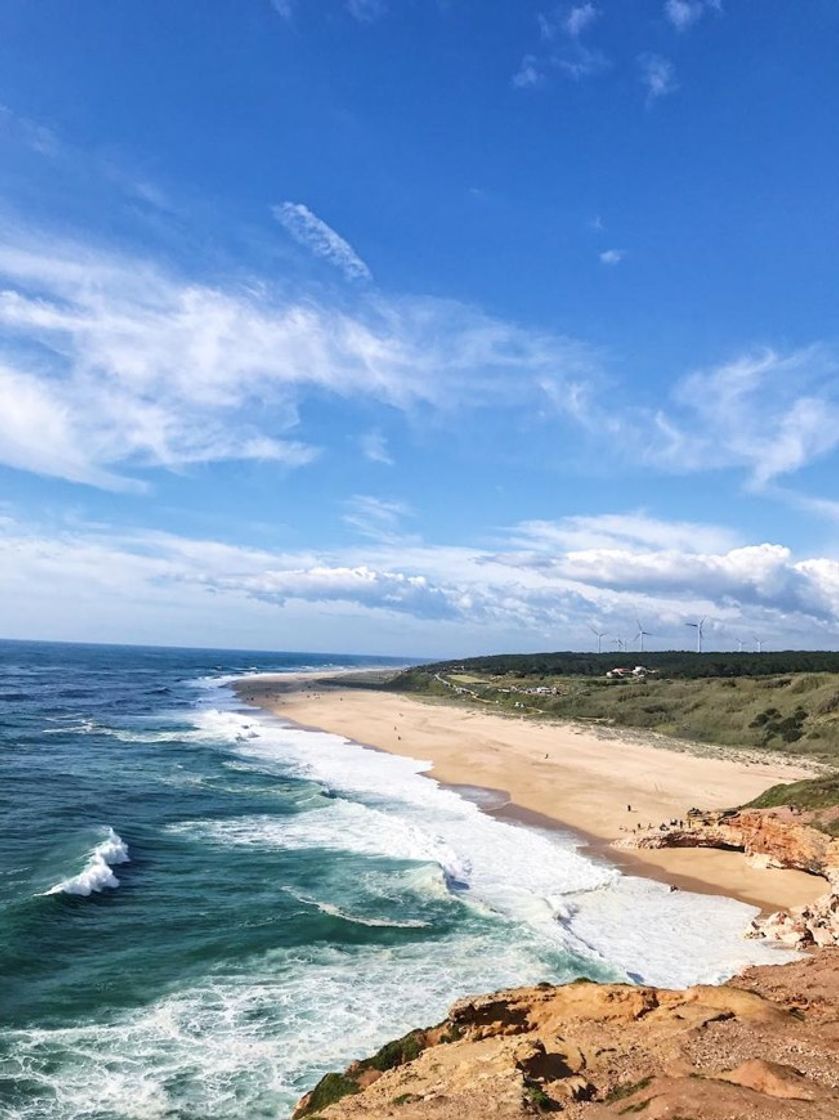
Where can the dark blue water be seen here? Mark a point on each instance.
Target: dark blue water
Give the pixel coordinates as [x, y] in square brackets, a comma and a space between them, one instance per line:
[202, 910]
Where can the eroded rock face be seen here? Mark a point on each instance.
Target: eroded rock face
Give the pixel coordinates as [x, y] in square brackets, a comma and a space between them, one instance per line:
[775, 838]
[771, 838]
[764, 1047]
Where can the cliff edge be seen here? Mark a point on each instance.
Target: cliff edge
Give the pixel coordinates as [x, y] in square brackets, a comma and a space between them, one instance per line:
[763, 1047]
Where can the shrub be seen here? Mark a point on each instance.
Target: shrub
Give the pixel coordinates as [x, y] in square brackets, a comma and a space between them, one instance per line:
[328, 1090]
[395, 1053]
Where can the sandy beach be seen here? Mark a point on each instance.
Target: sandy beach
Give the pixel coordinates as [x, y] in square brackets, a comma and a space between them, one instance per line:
[556, 774]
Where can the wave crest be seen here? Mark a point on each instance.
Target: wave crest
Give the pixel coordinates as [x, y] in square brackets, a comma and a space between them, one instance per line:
[97, 872]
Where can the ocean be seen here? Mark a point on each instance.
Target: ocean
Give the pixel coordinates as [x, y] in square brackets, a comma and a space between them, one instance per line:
[204, 909]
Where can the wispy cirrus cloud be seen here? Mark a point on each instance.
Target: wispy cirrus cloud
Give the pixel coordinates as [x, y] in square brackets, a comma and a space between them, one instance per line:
[380, 519]
[530, 73]
[579, 18]
[311, 231]
[563, 51]
[127, 366]
[765, 412]
[367, 11]
[658, 76]
[374, 447]
[683, 14]
[633, 531]
[284, 8]
[33, 134]
[567, 20]
[772, 412]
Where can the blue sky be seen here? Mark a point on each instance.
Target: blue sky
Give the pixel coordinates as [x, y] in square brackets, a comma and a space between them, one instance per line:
[419, 326]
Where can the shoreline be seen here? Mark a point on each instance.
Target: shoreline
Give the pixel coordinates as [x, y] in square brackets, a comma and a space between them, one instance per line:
[582, 785]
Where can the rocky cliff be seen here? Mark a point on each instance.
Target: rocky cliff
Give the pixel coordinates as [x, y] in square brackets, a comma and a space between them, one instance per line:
[763, 1047]
[774, 838]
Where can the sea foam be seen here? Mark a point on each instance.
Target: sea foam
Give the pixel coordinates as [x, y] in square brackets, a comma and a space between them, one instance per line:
[384, 805]
[97, 873]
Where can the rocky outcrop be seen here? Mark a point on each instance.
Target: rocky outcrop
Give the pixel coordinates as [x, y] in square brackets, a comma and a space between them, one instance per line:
[760, 1048]
[772, 838]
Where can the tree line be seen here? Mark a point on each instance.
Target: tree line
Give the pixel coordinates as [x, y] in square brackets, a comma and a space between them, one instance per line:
[670, 663]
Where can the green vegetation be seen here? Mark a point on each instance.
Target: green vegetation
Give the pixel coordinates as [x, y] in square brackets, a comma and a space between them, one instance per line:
[812, 794]
[396, 1053]
[334, 1086]
[406, 1098]
[328, 1090]
[723, 699]
[817, 796]
[670, 663]
[621, 1092]
[538, 1097]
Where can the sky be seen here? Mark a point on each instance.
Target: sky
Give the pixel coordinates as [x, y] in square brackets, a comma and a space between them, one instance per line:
[419, 327]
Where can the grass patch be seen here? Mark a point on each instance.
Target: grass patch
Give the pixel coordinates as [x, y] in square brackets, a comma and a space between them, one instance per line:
[328, 1090]
[809, 795]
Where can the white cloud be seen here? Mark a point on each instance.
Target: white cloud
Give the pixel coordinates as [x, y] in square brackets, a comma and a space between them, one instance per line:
[308, 229]
[612, 256]
[366, 11]
[378, 518]
[570, 21]
[375, 448]
[765, 412]
[529, 73]
[683, 14]
[770, 412]
[579, 61]
[561, 32]
[827, 508]
[35, 135]
[579, 18]
[542, 586]
[128, 367]
[658, 76]
[626, 531]
[284, 8]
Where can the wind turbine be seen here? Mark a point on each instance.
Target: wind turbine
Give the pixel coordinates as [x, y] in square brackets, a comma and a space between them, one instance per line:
[698, 627]
[759, 643]
[739, 645]
[641, 634]
[600, 635]
[620, 643]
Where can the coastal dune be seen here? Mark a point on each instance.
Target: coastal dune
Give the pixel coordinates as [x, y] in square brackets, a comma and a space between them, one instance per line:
[603, 785]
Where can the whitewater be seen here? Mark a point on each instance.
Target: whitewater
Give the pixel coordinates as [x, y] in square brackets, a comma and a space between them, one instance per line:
[217, 907]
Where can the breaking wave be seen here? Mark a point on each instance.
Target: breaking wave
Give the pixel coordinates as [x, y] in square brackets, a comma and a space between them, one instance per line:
[97, 873]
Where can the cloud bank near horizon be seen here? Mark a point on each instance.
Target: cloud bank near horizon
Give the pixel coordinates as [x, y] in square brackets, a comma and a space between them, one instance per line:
[542, 584]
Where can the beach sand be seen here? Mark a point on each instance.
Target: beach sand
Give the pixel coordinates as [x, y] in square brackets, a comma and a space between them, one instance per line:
[556, 774]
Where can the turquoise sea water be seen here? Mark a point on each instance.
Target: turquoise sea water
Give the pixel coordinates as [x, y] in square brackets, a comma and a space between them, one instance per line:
[203, 909]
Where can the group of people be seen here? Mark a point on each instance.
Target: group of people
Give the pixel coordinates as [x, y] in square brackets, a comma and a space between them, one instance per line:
[674, 822]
